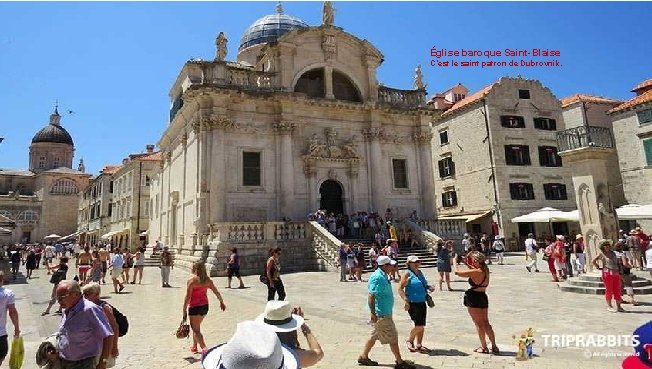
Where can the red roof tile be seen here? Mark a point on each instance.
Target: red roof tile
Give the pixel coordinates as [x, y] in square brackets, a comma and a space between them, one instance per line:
[470, 99]
[152, 157]
[588, 98]
[111, 169]
[640, 99]
[642, 85]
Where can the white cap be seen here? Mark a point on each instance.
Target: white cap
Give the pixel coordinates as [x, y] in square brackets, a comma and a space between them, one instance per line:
[413, 259]
[382, 260]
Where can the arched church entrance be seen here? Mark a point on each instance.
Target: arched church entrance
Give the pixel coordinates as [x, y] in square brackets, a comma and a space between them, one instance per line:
[331, 197]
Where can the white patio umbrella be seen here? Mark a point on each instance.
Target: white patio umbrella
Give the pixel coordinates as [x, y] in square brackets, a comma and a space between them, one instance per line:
[543, 215]
[52, 236]
[634, 212]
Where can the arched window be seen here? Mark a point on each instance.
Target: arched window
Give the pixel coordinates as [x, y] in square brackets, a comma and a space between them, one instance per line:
[311, 83]
[64, 187]
[344, 88]
[28, 216]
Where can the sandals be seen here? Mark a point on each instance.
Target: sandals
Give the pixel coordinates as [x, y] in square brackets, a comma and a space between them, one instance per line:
[481, 350]
[411, 347]
[194, 350]
[495, 350]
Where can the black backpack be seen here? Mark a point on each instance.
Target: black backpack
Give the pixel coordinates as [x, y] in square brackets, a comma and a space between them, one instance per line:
[121, 319]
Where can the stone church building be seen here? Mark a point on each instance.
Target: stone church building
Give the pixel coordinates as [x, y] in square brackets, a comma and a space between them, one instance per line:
[297, 122]
[42, 200]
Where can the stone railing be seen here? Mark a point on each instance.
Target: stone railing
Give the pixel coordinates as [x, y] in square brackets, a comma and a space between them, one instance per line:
[449, 229]
[324, 243]
[401, 98]
[425, 237]
[578, 137]
[247, 232]
[250, 79]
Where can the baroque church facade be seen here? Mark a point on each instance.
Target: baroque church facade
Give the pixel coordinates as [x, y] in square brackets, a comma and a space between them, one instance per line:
[297, 122]
[42, 200]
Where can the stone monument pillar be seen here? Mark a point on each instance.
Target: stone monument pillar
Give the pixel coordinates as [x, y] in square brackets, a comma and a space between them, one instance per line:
[588, 160]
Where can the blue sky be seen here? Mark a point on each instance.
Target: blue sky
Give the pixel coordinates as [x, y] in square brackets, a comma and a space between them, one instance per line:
[113, 63]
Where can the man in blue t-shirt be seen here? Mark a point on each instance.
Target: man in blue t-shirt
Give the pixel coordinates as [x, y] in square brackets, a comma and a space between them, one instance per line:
[381, 304]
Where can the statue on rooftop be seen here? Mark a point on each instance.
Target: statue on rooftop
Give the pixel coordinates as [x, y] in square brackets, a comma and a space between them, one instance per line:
[328, 14]
[220, 44]
[418, 79]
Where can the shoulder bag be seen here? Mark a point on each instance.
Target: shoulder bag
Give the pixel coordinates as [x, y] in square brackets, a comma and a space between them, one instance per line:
[429, 301]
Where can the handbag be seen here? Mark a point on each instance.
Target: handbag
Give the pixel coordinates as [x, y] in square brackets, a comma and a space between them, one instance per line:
[429, 301]
[17, 353]
[184, 330]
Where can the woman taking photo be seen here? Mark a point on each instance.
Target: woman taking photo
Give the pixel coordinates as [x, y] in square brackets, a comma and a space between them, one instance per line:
[273, 272]
[476, 301]
[413, 289]
[610, 275]
[195, 304]
[444, 252]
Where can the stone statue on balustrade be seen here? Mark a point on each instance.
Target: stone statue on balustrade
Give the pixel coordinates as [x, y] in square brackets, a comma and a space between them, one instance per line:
[221, 49]
[418, 79]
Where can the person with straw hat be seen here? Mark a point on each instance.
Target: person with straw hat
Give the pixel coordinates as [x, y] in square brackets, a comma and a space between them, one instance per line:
[610, 274]
[286, 321]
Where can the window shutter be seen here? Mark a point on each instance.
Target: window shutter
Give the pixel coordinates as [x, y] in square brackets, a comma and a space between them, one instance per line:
[452, 167]
[543, 156]
[537, 123]
[647, 146]
[454, 198]
[512, 191]
[509, 159]
[546, 191]
[504, 121]
[443, 199]
[521, 121]
[553, 124]
[441, 168]
[526, 155]
[530, 191]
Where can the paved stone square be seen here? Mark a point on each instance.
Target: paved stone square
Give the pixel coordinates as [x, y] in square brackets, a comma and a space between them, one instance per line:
[338, 315]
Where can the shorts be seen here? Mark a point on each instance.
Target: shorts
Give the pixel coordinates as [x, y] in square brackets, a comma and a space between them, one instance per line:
[558, 265]
[476, 299]
[233, 271]
[385, 330]
[200, 310]
[417, 313]
[84, 268]
[4, 348]
[116, 272]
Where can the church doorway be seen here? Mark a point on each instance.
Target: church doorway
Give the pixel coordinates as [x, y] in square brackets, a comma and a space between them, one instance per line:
[331, 197]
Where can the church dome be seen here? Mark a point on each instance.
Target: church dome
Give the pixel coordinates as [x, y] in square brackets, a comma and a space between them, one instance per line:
[269, 28]
[53, 132]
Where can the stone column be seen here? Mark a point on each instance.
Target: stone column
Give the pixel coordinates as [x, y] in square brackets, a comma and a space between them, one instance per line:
[373, 136]
[328, 82]
[284, 131]
[217, 127]
[590, 183]
[423, 142]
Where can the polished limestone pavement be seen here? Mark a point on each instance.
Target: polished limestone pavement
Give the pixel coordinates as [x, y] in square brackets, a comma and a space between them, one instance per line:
[338, 315]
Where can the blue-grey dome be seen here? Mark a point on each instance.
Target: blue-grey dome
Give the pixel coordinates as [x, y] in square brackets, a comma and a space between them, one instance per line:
[269, 28]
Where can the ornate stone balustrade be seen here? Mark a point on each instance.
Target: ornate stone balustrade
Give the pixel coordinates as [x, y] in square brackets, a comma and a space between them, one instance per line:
[324, 243]
[250, 79]
[424, 236]
[248, 232]
[579, 137]
[401, 98]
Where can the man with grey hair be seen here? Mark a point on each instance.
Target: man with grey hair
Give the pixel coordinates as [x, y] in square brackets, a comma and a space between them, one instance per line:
[92, 292]
[7, 304]
[85, 335]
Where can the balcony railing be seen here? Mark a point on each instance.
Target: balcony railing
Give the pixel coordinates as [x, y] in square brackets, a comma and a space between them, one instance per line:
[578, 137]
[401, 98]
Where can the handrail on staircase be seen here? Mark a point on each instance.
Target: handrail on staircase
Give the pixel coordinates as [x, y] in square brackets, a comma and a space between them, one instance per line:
[425, 237]
[324, 243]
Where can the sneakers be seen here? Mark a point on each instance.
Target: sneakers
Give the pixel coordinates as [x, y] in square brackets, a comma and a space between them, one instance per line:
[405, 364]
[528, 269]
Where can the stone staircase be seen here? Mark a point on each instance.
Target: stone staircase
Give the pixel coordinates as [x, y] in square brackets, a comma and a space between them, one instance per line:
[153, 260]
[428, 259]
[592, 284]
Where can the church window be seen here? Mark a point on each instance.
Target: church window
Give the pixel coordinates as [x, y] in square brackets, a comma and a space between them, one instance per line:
[64, 187]
[55, 163]
[344, 88]
[251, 169]
[28, 216]
[311, 83]
[399, 169]
[41, 162]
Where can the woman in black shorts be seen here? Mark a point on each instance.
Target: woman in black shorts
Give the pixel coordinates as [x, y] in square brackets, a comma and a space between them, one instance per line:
[413, 289]
[475, 299]
[233, 268]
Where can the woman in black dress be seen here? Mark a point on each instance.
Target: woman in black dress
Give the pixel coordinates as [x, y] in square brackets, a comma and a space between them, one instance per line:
[59, 275]
[30, 263]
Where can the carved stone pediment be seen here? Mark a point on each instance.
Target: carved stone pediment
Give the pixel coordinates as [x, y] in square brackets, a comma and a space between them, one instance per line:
[284, 127]
[213, 121]
[330, 150]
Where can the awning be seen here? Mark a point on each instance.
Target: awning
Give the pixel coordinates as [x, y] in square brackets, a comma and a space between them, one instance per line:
[468, 218]
[543, 215]
[143, 234]
[634, 212]
[72, 235]
[106, 236]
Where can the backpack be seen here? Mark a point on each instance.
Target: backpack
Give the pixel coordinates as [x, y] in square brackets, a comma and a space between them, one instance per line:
[121, 319]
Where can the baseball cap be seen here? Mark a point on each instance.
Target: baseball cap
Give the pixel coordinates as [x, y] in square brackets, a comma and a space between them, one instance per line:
[642, 358]
[412, 259]
[382, 260]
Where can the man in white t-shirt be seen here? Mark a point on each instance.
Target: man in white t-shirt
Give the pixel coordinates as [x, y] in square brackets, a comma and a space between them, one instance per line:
[531, 252]
[7, 304]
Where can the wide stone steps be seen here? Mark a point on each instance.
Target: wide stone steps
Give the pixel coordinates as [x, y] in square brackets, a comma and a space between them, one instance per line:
[592, 284]
[427, 258]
